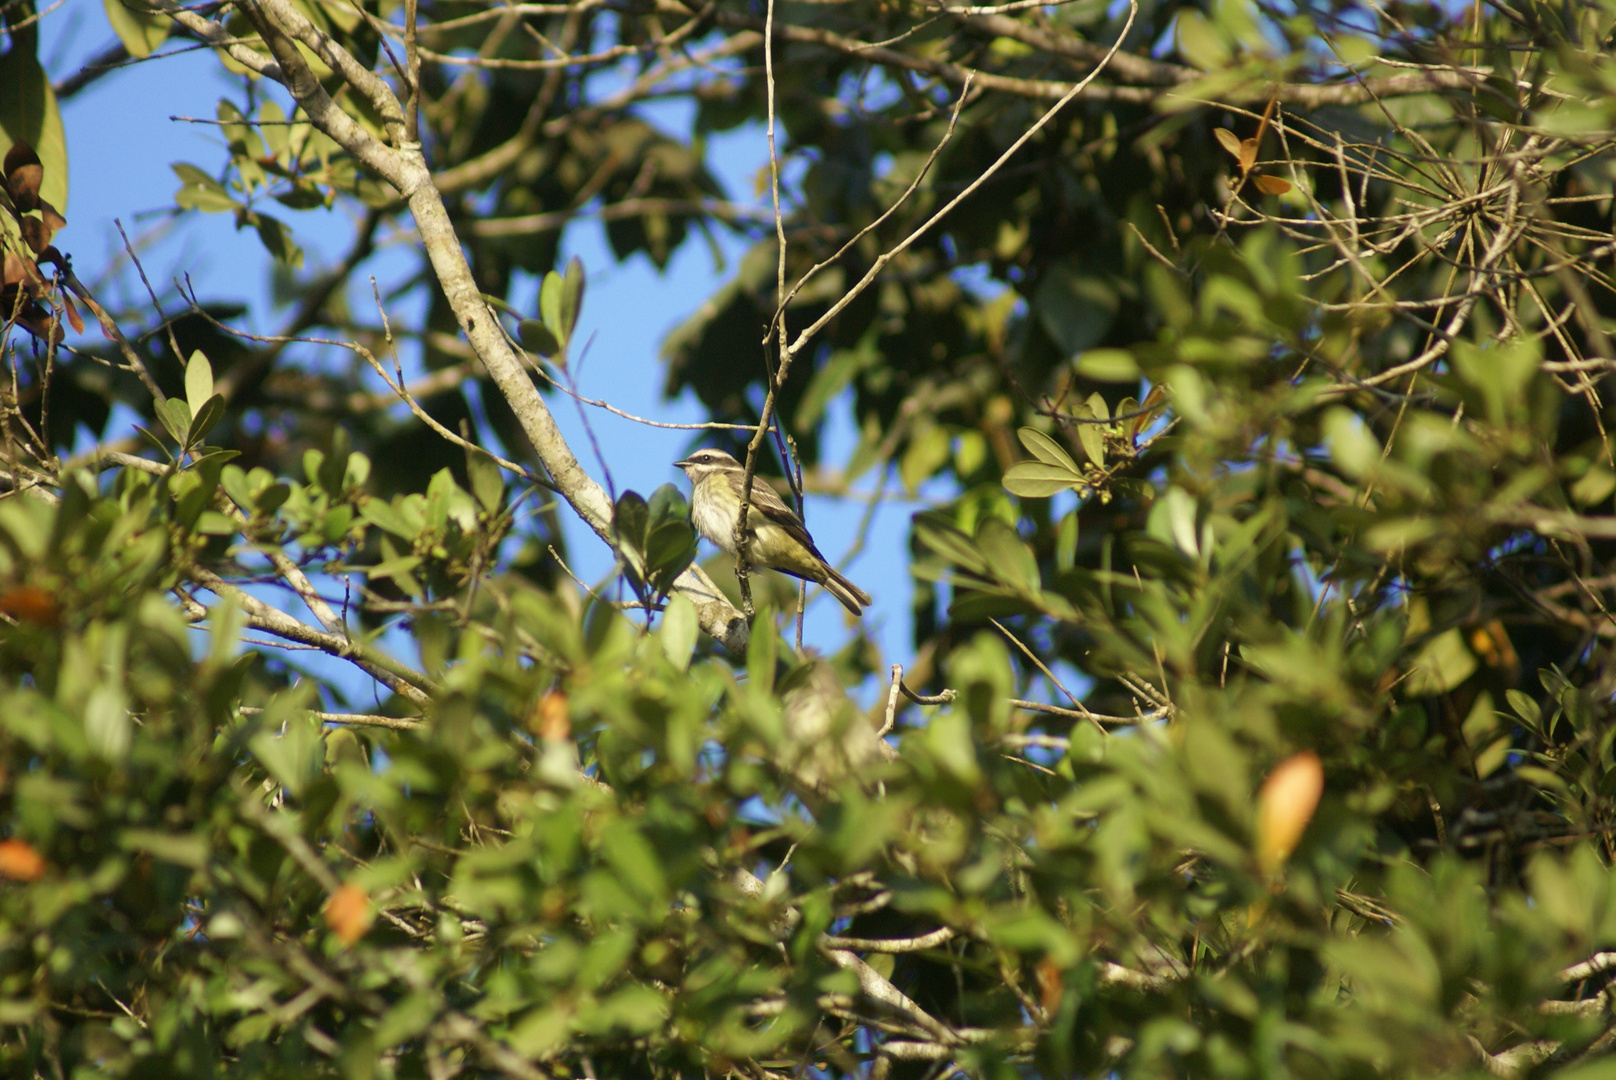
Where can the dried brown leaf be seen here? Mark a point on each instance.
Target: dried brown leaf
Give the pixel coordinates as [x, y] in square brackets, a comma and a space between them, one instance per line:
[35, 233]
[24, 173]
[1247, 155]
[53, 218]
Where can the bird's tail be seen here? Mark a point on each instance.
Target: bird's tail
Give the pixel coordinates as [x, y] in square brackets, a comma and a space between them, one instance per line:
[852, 597]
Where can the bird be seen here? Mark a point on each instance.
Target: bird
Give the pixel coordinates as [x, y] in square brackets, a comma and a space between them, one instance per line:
[777, 539]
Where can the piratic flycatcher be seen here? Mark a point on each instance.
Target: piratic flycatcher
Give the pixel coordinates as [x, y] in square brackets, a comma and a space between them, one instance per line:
[776, 538]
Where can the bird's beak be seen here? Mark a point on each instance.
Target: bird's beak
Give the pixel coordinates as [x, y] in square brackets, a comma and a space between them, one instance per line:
[681, 464]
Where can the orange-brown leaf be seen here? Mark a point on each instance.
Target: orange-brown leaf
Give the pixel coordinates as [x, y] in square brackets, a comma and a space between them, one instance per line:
[30, 603]
[35, 233]
[24, 174]
[1491, 643]
[1285, 805]
[1247, 156]
[550, 721]
[1271, 185]
[54, 221]
[20, 862]
[1229, 141]
[349, 913]
[73, 316]
[1051, 987]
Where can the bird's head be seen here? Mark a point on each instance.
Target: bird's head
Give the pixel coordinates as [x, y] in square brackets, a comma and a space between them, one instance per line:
[706, 463]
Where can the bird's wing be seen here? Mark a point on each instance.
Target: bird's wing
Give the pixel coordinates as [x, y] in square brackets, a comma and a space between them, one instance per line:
[766, 502]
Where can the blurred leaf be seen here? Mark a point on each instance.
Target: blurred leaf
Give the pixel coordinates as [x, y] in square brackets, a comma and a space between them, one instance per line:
[140, 30]
[537, 338]
[1441, 665]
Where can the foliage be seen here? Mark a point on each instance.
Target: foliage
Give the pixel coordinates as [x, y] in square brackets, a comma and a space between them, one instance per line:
[1278, 454]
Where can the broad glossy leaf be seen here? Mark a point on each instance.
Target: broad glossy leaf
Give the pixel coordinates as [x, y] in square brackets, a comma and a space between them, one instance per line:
[1035, 480]
[175, 417]
[630, 519]
[206, 420]
[1046, 449]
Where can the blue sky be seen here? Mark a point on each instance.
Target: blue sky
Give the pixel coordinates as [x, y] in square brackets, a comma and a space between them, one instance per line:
[122, 141]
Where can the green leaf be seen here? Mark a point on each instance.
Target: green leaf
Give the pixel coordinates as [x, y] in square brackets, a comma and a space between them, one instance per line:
[537, 338]
[213, 523]
[277, 240]
[977, 605]
[928, 450]
[669, 549]
[205, 420]
[680, 626]
[1354, 449]
[1108, 365]
[668, 504]
[1046, 449]
[1066, 542]
[630, 522]
[833, 377]
[1601, 1067]
[762, 649]
[1075, 309]
[1035, 480]
[385, 515]
[1092, 439]
[29, 114]
[572, 296]
[294, 755]
[1181, 513]
[1524, 707]
[630, 518]
[487, 481]
[940, 535]
[1594, 486]
[198, 374]
[106, 722]
[199, 191]
[273, 497]
[175, 417]
[140, 30]
[1200, 43]
[1441, 665]
[1009, 559]
[182, 849]
[550, 307]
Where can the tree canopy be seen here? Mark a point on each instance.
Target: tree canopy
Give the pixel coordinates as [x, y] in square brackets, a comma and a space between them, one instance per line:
[1258, 718]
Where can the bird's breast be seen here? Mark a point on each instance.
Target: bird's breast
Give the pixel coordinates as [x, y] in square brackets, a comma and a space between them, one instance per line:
[715, 520]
